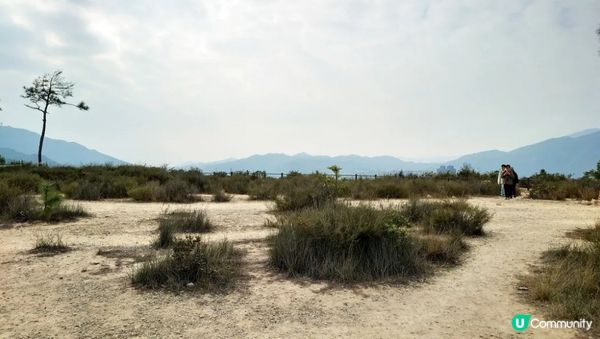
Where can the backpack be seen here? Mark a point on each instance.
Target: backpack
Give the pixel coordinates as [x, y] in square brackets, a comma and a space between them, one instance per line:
[516, 176]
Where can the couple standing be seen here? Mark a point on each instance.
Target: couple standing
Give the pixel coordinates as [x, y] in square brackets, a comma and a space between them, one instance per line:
[508, 180]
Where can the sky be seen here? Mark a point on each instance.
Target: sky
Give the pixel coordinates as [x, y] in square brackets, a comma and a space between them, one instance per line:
[182, 80]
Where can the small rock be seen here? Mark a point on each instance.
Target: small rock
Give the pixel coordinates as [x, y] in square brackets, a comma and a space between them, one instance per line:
[190, 284]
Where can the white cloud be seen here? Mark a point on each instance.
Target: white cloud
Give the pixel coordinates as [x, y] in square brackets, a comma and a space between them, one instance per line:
[194, 80]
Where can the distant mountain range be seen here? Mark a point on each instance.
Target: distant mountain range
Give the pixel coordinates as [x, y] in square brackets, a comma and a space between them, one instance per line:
[18, 144]
[572, 154]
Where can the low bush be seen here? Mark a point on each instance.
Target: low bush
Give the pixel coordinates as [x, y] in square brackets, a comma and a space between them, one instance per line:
[174, 190]
[50, 244]
[64, 212]
[221, 196]
[208, 266]
[446, 249]
[568, 282]
[301, 192]
[185, 221]
[262, 189]
[448, 216]
[344, 243]
[166, 236]
[26, 182]
[145, 193]
[20, 207]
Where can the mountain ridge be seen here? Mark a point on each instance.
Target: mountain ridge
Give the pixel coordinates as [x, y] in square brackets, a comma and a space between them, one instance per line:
[56, 151]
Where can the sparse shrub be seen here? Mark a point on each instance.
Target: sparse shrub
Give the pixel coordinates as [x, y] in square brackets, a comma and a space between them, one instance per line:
[176, 190]
[416, 210]
[146, 193]
[392, 191]
[166, 236]
[50, 244]
[221, 196]
[306, 192]
[25, 182]
[209, 266]
[344, 243]
[442, 248]
[568, 282]
[185, 221]
[21, 208]
[65, 212]
[262, 190]
[448, 216]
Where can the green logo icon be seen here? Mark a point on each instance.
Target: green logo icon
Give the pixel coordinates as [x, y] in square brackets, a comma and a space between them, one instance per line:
[520, 322]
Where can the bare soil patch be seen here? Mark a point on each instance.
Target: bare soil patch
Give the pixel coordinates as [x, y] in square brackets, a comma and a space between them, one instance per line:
[87, 292]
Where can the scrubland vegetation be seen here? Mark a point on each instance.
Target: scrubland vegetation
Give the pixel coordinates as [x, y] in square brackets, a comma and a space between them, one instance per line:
[568, 282]
[18, 202]
[192, 262]
[51, 243]
[159, 184]
[320, 237]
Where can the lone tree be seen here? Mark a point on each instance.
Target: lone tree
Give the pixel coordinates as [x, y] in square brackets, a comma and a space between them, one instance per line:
[49, 90]
[336, 171]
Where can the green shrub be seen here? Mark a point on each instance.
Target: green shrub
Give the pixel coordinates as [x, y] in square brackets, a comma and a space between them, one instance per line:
[185, 221]
[344, 243]
[208, 266]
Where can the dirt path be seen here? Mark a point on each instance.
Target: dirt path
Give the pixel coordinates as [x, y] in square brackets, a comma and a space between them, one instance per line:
[83, 294]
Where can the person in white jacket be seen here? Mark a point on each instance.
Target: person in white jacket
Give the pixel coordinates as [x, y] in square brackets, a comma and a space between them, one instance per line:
[501, 180]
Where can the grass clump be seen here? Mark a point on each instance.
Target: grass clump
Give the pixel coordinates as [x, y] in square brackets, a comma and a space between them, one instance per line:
[343, 243]
[568, 282]
[17, 206]
[166, 236]
[301, 192]
[50, 244]
[447, 216]
[208, 266]
[442, 249]
[220, 196]
[174, 190]
[185, 221]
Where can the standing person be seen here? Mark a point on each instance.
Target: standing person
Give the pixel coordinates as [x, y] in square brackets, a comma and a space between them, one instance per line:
[508, 178]
[501, 180]
[515, 181]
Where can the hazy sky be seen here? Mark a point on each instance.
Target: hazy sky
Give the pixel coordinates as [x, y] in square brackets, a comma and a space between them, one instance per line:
[172, 81]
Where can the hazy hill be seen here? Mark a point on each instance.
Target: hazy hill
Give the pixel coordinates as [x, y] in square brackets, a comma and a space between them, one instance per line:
[24, 143]
[573, 154]
[277, 163]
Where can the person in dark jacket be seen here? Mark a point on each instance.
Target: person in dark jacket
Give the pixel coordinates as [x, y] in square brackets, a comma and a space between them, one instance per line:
[515, 181]
[508, 179]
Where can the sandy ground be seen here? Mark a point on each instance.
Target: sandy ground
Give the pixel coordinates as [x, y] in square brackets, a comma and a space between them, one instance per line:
[83, 294]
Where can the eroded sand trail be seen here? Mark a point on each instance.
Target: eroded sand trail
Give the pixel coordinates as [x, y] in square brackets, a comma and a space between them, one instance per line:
[83, 294]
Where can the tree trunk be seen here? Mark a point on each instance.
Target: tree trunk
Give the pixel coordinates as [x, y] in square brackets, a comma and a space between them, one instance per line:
[42, 140]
